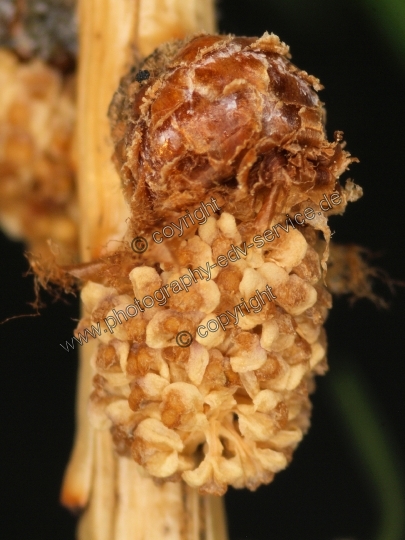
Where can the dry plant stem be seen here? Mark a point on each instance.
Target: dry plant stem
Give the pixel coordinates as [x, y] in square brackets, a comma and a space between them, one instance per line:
[120, 503]
[79, 473]
[106, 36]
[164, 20]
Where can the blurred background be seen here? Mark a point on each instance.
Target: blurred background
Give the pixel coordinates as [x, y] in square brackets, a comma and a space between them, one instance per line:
[346, 480]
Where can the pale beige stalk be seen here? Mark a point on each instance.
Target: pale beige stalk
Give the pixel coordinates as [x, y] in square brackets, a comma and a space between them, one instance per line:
[120, 503]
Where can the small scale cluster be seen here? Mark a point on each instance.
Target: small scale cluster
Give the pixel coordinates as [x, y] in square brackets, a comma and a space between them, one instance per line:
[231, 408]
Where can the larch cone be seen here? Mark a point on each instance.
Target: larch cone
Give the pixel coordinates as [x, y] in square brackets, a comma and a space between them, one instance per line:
[231, 120]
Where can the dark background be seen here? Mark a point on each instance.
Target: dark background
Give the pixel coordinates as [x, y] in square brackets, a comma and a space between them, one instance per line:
[328, 492]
